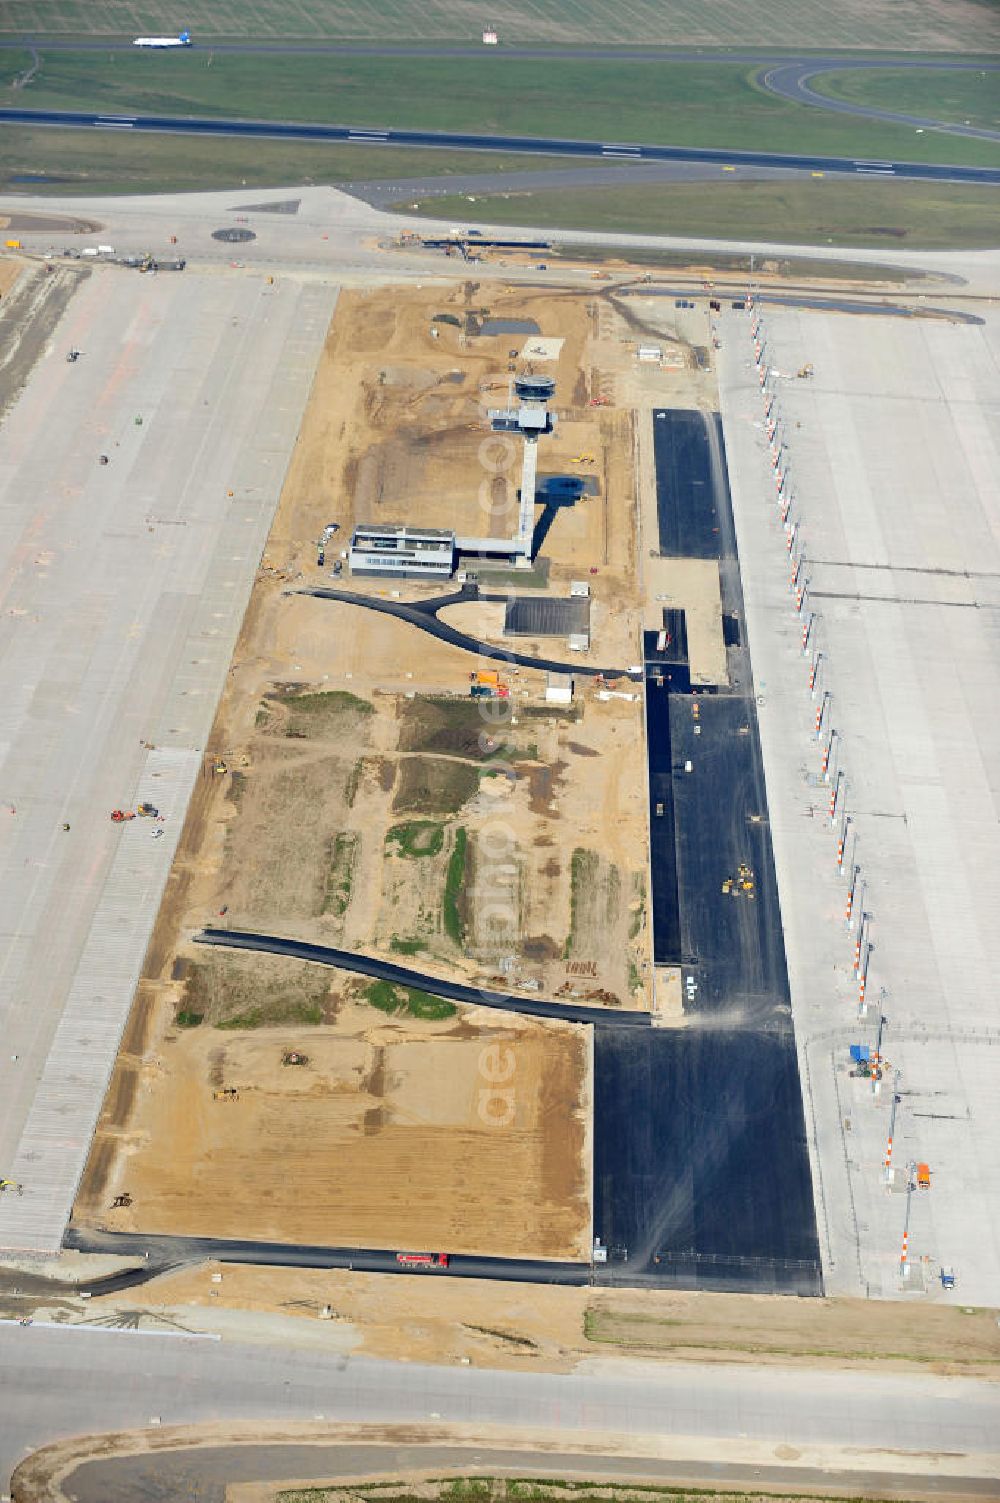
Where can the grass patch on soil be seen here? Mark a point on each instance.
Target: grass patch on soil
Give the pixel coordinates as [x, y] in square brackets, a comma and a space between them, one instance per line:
[828, 212]
[454, 887]
[406, 946]
[340, 876]
[434, 785]
[584, 866]
[92, 163]
[275, 1013]
[541, 1490]
[318, 715]
[957, 98]
[710, 103]
[420, 837]
[457, 727]
[551, 712]
[409, 1001]
[837, 1329]
[227, 994]
[353, 782]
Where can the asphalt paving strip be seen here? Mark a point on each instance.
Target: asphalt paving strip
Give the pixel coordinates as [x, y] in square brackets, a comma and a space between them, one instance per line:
[398, 975]
[162, 1253]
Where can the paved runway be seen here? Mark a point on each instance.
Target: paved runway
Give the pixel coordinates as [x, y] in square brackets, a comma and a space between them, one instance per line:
[122, 589]
[185, 125]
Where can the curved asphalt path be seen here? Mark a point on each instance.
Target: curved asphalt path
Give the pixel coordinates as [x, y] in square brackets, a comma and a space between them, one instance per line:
[213, 1469]
[790, 80]
[184, 125]
[400, 975]
[423, 614]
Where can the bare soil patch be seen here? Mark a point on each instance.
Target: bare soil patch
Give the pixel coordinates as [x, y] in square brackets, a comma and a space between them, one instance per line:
[384, 1130]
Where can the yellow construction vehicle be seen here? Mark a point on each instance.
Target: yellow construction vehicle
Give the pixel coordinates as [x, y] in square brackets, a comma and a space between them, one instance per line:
[10, 1186]
[806, 370]
[583, 459]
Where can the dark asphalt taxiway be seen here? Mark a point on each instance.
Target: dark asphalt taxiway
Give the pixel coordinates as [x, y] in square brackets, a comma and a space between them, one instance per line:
[701, 1168]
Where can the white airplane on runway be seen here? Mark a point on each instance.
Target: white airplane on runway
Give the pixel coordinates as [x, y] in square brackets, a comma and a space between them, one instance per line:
[184, 40]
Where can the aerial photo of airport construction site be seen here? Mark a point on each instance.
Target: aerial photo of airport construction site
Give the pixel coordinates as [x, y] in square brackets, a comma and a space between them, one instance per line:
[499, 688]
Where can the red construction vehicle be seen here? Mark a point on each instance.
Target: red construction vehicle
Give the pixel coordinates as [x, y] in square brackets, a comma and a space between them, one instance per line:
[121, 815]
[422, 1259]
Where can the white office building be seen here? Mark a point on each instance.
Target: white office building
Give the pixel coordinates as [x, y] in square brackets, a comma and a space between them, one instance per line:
[402, 552]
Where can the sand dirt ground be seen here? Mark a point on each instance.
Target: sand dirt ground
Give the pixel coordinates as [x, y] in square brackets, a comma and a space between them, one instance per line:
[349, 780]
[559, 1329]
[395, 1133]
[10, 270]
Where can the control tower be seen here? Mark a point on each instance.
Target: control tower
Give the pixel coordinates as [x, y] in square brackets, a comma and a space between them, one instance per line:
[531, 418]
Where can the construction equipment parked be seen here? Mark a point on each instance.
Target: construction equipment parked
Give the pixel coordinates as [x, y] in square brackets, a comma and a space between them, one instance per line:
[119, 816]
[10, 1187]
[148, 811]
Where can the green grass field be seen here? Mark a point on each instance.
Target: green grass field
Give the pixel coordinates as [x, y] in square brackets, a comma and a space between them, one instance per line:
[88, 162]
[957, 98]
[710, 104]
[911, 26]
[866, 213]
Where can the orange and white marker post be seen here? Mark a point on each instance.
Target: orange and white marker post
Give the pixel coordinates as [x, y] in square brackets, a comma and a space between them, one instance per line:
[814, 672]
[828, 752]
[859, 943]
[904, 1266]
[896, 1099]
[852, 891]
[807, 628]
[835, 796]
